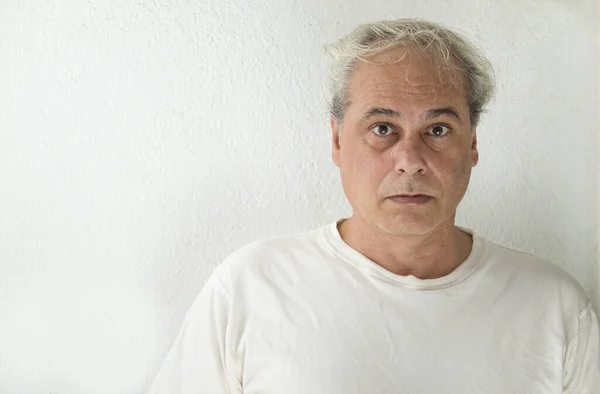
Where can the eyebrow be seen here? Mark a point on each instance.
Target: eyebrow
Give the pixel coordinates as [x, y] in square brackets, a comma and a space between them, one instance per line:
[430, 114]
[437, 112]
[390, 113]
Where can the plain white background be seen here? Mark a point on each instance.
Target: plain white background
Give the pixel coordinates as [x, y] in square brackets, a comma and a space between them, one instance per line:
[142, 141]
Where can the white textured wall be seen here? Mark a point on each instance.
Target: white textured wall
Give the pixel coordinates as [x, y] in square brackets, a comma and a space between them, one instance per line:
[142, 141]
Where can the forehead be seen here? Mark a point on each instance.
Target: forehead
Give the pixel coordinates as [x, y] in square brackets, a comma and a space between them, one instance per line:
[403, 77]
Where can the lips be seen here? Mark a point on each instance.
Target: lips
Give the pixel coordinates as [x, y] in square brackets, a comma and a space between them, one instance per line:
[412, 199]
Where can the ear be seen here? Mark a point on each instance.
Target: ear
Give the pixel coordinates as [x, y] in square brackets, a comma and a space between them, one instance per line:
[474, 151]
[335, 136]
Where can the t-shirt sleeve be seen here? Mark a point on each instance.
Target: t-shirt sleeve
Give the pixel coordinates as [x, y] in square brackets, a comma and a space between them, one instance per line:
[582, 361]
[198, 362]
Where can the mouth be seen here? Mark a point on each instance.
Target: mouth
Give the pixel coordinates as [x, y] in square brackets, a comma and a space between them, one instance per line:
[411, 199]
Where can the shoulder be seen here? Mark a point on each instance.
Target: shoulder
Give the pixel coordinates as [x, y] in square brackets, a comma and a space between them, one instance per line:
[536, 276]
[270, 257]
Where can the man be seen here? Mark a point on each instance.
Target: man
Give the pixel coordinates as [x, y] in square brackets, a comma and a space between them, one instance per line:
[396, 298]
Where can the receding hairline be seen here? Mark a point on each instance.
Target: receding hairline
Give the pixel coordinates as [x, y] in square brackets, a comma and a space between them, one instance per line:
[450, 49]
[444, 81]
[447, 72]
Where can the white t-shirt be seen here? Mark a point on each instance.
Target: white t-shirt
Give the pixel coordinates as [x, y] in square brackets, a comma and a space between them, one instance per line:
[307, 314]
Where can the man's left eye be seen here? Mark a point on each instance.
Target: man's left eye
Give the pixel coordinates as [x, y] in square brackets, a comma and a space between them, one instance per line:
[439, 130]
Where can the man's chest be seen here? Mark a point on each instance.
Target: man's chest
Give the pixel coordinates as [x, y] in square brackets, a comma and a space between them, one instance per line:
[390, 349]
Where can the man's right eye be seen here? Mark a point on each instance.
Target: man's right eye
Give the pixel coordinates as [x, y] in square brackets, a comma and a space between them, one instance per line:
[382, 130]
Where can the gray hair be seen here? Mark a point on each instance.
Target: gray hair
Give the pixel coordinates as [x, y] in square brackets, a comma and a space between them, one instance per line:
[448, 48]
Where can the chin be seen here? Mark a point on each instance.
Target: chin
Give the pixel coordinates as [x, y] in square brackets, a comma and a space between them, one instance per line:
[406, 225]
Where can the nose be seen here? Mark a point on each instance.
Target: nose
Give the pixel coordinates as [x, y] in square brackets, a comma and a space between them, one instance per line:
[408, 154]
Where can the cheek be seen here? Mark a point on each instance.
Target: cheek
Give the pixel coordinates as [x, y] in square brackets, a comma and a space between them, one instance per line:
[461, 173]
[362, 171]
[452, 172]
[370, 167]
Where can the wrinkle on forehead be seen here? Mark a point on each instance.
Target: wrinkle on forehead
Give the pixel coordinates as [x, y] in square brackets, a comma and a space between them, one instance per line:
[407, 71]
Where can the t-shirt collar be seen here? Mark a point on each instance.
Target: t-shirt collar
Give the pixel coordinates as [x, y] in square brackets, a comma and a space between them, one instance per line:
[335, 242]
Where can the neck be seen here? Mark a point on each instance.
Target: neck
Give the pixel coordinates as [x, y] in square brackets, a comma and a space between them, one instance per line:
[428, 256]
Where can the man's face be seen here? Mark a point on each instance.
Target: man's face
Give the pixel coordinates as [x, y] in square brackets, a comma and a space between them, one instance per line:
[405, 134]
